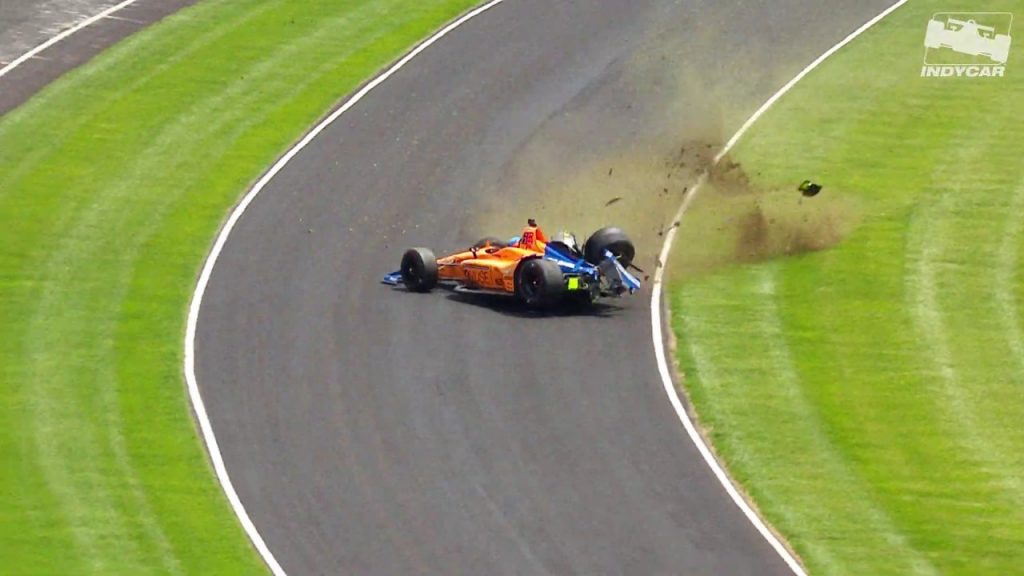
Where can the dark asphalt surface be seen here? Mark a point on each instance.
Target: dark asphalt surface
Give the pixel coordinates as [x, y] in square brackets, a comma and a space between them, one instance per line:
[373, 431]
[25, 24]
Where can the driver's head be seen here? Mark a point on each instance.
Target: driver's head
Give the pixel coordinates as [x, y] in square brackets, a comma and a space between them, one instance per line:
[531, 222]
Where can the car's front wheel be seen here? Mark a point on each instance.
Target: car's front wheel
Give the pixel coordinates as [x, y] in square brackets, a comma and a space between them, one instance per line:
[539, 283]
[419, 269]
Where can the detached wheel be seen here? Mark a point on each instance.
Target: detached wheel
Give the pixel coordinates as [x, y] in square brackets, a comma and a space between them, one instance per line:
[419, 269]
[489, 241]
[539, 283]
[613, 240]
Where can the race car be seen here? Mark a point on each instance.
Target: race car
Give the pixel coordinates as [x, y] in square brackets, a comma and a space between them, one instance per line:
[538, 272]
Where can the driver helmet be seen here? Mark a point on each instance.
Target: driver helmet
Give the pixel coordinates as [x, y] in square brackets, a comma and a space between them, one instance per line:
[566, 238]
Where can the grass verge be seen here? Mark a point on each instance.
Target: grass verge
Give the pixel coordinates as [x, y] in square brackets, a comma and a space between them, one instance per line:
[113, 182]
[858, 358]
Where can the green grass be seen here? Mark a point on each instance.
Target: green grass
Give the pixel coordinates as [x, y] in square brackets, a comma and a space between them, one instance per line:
[858, 358]
[113, 182]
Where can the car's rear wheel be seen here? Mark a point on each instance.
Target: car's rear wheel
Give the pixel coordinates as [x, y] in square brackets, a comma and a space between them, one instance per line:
[609, 239]
[489, 241]
[419, 269]
[539, 283]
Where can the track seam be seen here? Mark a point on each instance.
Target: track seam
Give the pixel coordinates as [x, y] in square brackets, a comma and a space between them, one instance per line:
[657, 334]
[66, 33]
[198, 406]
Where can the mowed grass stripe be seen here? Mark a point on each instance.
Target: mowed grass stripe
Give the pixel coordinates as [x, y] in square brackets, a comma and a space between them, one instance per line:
[97, 95]
[956, 313]
[1006, 278]
[874, 516]
[878, 425]
[714, 330]
[70, 442]
[114, 181]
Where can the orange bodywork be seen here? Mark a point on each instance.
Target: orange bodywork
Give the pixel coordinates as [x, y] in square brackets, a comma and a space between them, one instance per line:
[489, 268]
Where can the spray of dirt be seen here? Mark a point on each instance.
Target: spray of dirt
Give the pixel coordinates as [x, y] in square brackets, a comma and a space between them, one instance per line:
[761, 238]
[768, 223]
[627, 150]
[638, 189]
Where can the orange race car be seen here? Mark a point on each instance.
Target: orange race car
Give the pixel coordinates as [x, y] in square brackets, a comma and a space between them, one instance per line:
[530, 267]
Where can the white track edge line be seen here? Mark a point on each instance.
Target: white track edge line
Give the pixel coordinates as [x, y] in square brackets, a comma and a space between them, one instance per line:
[83, 24]
[656, 308]
[198, 406]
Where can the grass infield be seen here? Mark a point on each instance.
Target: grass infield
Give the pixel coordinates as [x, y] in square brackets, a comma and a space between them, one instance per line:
[857, 358]
[113, 182]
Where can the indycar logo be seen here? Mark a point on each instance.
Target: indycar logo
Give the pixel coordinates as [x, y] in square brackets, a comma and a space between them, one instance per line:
[967, 44]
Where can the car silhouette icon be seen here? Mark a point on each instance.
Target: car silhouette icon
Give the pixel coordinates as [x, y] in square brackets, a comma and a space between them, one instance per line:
[968, 37]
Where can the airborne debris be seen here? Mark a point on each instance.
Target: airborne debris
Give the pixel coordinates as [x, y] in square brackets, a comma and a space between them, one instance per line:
[809, 189]
[613, 201]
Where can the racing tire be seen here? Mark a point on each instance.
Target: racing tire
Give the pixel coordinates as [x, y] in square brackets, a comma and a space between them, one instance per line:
[489, 241]
[613, 240]
[539, 283]
[419, 269]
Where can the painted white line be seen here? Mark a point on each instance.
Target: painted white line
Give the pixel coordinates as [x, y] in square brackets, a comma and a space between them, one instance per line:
[211, 260]
[83, 24]
[123, 19]
[656, 320]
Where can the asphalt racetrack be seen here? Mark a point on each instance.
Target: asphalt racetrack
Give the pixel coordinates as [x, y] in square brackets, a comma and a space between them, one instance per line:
[26, 24]
[373, 431]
